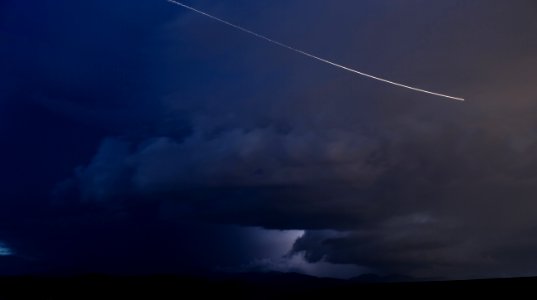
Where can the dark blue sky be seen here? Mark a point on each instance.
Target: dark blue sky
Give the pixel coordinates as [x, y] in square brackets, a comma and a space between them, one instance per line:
[138, 137]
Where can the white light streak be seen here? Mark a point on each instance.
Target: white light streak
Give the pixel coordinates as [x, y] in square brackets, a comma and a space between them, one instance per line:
[313, 56]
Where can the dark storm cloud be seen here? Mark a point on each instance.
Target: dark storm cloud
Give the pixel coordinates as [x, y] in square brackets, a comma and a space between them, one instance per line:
[233, 130]
[418, 185]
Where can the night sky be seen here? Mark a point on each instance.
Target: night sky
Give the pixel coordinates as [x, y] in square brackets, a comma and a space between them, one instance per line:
[137, 137]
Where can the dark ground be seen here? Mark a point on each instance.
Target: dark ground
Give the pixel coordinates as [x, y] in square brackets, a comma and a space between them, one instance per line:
[251, 286]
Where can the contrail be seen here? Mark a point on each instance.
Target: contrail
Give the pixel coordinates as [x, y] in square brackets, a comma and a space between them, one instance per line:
[313, 56]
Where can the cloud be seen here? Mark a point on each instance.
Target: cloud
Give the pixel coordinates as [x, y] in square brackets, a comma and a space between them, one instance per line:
[105, 177]
[394, 246]
[408, 184]
[5, 250]
[258, 157]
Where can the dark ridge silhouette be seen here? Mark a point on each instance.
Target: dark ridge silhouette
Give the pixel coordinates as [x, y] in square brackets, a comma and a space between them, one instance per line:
[374, 278]
[270, 285]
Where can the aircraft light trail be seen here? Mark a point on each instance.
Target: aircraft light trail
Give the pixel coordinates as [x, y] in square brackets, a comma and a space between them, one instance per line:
[313, 56]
